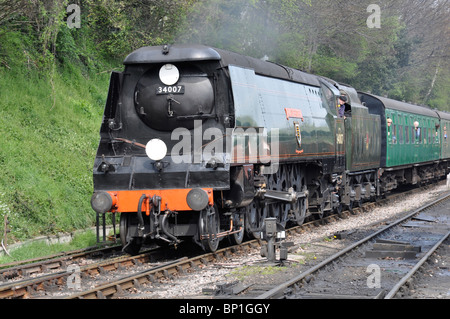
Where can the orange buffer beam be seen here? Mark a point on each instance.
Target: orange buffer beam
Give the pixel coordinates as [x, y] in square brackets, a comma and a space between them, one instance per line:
[171, 199]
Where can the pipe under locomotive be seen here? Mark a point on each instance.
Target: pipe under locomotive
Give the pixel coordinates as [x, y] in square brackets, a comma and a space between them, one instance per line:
[204, 144]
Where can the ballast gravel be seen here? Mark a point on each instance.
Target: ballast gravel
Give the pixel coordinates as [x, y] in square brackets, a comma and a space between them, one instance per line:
[310, 247]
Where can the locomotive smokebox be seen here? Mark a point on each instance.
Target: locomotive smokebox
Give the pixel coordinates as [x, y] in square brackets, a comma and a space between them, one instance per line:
[165, 107]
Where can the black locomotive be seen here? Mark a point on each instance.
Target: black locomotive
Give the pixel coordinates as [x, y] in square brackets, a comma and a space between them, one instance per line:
[203, 143]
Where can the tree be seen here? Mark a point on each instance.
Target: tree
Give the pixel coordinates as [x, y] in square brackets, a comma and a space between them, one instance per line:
[405, 57]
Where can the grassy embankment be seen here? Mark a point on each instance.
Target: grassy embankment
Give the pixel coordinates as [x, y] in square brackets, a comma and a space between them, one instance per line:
[50, 114]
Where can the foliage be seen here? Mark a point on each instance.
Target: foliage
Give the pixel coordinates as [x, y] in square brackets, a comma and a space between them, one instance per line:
[49, 135]
[406, 58]
[50, 109]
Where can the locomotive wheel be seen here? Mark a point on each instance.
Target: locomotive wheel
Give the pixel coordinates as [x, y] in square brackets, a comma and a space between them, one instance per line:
[299, 209]
[280, 211]
[130, 245]
[254, 219]
[209, 227]
[350, 207]
[317, 208]
[283, 213]
[280, 181]
[354, 204]
[238, 221]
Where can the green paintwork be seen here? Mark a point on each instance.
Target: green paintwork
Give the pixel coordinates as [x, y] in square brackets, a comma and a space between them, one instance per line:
[444, 131]
[407, 145]
[264, 102]
[363, 147]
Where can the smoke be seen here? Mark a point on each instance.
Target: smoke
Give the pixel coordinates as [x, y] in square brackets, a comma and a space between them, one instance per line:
[242, 26]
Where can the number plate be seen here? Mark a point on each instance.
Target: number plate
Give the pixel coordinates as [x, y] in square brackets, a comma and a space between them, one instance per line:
[173, 89]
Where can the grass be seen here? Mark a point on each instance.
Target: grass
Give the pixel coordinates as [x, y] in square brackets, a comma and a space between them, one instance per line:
[47, 155]
[246, 271]
[37, 249]
[49, 127]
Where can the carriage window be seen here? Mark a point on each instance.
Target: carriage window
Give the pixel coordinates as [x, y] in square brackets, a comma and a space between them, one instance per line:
[436, 136]
[400, 134]
[418, 135]
[394, 134]
[407, 134]
[424, 135]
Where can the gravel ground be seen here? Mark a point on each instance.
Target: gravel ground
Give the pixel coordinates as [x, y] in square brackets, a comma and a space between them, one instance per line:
[311, 247]
[434, 283]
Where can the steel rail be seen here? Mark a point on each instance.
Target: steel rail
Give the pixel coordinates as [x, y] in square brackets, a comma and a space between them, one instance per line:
[391, 294]
[182, 264]
[65, 254]
[52, 262]
[25, 288]
[166, 270]
[127, 282]
[279, 290]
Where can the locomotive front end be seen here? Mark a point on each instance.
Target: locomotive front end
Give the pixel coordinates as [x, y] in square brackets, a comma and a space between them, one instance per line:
[161, 155]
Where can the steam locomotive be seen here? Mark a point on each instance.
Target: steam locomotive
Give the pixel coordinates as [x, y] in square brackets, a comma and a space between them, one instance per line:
[204, 144]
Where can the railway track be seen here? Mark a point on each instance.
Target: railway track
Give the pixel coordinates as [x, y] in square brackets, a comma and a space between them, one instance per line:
[61, 272]
[56, 284]
[403, 287]
[119, 287]
[25, 268]
[378, 266]
[137, 286]
[126, 286]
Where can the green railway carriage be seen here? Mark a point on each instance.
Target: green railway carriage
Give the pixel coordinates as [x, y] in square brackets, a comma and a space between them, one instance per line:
[410, 136]
[410, 132]
[444, 131]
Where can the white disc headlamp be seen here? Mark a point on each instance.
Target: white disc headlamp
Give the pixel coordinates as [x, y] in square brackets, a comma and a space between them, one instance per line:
[169, 74]
[156, 149]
